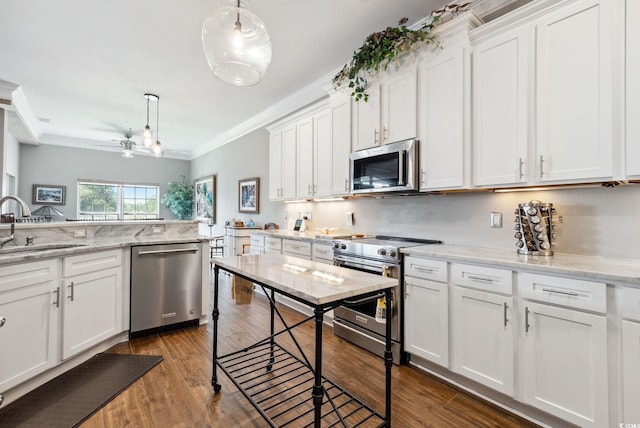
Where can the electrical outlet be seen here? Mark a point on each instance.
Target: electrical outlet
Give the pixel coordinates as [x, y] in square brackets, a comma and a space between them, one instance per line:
[298, 215]
[156, 229]
[286, 215]
[308, 215]
[80, 233]
[349, 219]
[496, 220]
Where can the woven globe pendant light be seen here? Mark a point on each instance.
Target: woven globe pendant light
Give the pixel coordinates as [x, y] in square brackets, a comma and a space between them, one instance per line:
[236, 44]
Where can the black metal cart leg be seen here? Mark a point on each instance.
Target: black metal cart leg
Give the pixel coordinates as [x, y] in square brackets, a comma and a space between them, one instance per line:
[388, 358]
[272, 340]
[215, 315]
[318, 388]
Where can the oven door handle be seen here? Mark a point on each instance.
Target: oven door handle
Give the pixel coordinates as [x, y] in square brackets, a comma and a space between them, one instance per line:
[363, 300]
[342, 260]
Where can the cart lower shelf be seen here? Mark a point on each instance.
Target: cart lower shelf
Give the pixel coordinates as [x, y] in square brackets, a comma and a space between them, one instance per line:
[279, 385]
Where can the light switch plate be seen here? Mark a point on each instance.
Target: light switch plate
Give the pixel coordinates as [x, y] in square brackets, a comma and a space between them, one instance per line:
[496, 220]
[80, 233]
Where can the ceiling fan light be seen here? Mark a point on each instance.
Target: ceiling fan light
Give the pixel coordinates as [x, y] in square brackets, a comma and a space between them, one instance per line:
[127, 153]
[237, 45]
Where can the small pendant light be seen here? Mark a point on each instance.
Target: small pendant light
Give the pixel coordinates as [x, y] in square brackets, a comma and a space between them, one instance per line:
[147, 135]
[156, 148]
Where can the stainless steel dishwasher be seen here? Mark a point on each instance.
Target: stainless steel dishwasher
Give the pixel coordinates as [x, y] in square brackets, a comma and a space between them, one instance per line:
[166, 286]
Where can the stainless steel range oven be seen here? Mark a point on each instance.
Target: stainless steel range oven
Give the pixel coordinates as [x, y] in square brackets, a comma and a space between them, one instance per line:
[379, 255]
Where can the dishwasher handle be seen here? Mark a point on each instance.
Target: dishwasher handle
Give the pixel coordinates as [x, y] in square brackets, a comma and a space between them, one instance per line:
[162, 252]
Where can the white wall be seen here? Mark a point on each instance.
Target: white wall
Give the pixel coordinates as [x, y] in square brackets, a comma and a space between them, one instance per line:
[246, 157]
[48, 164]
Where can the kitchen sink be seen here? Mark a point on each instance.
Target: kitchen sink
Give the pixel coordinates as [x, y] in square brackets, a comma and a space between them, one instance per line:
[38, 247]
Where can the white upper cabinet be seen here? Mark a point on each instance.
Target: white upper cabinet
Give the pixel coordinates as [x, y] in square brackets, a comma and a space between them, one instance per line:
[500, 108]
[399, 106]
[574, 93]
[633, 87]
[443, 112]
[275, 164]
[366, 120]
[340, 142]
[322, 154]
[304, 149]
[543, 94]
[390, 114]
[282, 163]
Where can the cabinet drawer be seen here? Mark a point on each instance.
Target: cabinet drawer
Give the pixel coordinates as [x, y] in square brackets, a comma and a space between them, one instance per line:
[483, 278]
[322, 252]
[273, 244]
[631, 303]
[300, 248]
[434, 270]
[27, 274]
[84, 263]
[257, 240]
[572, 293]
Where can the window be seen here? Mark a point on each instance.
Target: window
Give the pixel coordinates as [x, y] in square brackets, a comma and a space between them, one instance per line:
[117, 201]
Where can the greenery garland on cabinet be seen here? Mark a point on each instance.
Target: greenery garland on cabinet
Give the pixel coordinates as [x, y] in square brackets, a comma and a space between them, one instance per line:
[382, 47]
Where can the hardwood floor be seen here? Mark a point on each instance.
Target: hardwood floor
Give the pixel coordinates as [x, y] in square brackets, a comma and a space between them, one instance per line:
[178, 392]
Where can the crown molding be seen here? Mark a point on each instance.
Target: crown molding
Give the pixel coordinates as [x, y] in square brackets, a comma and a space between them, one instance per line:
[23, 125]
[307, 95]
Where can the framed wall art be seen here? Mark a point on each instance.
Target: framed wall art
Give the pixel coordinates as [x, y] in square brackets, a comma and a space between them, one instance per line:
[205, 195]
[48, 194]
[249, 195]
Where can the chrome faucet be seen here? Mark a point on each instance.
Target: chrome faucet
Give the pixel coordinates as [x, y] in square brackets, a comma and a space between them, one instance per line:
[26, 212]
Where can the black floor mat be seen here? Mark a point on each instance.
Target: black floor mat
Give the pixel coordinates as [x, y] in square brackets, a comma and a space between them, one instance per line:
[72, 397]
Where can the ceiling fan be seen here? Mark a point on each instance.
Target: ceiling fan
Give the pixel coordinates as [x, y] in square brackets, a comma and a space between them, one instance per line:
[128, 146]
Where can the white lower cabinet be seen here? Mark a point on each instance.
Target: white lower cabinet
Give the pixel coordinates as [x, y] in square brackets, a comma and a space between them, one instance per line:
[564, 363]
[48, 314]
[29, 314]
[426, 312]
[95, 296]
[631, 354]
[483, 338]
[631, 370]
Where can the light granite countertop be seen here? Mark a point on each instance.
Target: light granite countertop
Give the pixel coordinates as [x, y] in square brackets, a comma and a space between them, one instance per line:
[16, 254]
[319, 284]
[311, 236]
[594, 268]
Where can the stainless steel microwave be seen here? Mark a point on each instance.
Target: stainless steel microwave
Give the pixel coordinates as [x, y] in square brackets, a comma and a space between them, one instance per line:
[389, 168]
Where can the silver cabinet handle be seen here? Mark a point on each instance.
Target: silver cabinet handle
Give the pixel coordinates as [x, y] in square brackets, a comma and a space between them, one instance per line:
[309, 190]
[71, 294]
[526, 320]
[564, 293]
[505, 313]
[385, 133]
[424, 269]
[3, 321]
[57, 302]
[520, 169]
[157, 252]
[541, 166]
[346, 184]
[480, 278]
[375, 136]
[423, 177]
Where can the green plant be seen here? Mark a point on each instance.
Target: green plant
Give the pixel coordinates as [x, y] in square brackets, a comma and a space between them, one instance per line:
[179, 199]
[378, 50]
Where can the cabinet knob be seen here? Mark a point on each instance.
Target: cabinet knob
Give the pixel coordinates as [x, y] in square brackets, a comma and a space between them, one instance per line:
[3, 321]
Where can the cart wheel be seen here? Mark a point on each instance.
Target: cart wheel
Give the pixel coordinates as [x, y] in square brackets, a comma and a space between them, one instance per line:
[217, 387]
[269, 367]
